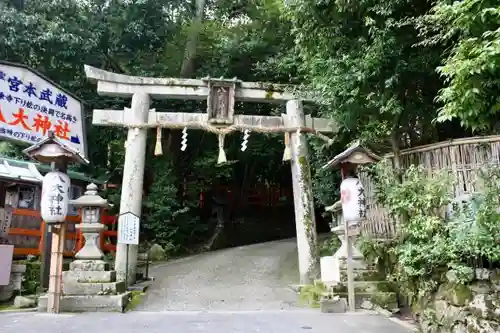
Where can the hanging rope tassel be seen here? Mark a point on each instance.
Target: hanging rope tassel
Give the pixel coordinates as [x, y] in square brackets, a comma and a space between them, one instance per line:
[222, 153]
[158, 148]
[287, 154]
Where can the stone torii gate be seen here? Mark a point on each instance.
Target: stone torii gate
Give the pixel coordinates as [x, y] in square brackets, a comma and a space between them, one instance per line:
[219, 119]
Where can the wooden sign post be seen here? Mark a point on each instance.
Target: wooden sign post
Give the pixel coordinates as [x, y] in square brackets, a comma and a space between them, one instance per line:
[353, 203]
[54, 204]
[221, 120]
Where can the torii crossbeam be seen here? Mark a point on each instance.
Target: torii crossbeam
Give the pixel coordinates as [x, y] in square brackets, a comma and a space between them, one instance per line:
[220, 119]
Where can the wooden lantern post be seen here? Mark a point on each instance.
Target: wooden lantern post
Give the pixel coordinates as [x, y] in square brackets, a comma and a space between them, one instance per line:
[353, 202]
[54, 204]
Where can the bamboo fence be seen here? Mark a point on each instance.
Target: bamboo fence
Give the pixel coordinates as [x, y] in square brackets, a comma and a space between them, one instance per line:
[463, 158]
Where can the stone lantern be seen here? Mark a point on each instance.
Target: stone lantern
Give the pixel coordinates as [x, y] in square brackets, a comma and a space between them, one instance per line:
[91, 205]
[89, 285]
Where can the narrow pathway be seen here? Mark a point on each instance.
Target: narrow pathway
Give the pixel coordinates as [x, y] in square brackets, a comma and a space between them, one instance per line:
[254, 277]
[300, 321]
[240, 290]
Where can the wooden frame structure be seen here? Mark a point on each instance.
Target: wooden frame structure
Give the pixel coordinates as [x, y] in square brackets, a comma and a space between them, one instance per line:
[26, 232]
[463, 158]
[71, 236]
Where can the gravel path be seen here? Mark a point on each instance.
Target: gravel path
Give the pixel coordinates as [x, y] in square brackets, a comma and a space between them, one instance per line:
[240, 290]
[254, 277]
[299, 321]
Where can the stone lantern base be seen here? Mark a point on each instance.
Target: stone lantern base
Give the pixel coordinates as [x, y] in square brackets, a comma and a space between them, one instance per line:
[370, 287]
[333, 266]
[90, 286]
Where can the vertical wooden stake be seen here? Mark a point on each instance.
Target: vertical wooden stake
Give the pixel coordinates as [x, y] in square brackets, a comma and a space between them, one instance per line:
[55, 282]
[350, 274]
[351, 297]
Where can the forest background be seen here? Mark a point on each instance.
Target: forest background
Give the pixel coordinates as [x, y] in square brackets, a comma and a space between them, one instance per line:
[391, 73]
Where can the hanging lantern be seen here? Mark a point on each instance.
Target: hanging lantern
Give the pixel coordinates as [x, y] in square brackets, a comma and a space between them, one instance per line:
[55, 197]
[352, 196]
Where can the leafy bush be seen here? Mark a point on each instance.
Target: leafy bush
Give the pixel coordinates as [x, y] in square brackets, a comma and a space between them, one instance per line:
[329, 246]
[311, 294]
[31, 278]
[431, 241]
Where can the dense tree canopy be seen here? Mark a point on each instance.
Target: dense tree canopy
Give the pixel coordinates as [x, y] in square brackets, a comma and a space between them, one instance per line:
[384, 70]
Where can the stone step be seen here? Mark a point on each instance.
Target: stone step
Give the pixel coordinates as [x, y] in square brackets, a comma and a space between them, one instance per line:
[89, 265]
[333, 306]
[385, 300]
[364, 286]
[88, 276]
[357, 265]
[92, 288]
[89, 303]
[362, 275]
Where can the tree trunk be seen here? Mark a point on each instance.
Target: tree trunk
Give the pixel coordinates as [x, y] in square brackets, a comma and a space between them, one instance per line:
[187, 70]
[188, 64]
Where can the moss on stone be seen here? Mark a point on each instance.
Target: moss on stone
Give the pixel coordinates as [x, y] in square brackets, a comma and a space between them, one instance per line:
[385, 300]
[495, 277]
[4, 307]
[458, 294]
[309, 226]
[135, 299]
[363, 275]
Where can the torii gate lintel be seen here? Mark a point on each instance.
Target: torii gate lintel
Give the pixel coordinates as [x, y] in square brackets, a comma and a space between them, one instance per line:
[120, 85]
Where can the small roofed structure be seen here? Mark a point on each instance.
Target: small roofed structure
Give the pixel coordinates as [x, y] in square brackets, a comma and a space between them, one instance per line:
[355, 154]
[51, 147]
[19, 171]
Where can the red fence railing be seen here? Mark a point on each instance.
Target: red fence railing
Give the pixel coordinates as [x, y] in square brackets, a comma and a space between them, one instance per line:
[26, 233]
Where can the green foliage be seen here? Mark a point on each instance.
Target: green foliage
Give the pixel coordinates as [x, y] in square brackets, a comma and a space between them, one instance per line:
[371, 65]
[167, 222]
[477, 231]
[432, 242]
[358, 60]
[136, 297]
[12, 150]
[311, 294]
[31, 278]
[150, 38]
[471, 29]
[377, 253]
[329, 246]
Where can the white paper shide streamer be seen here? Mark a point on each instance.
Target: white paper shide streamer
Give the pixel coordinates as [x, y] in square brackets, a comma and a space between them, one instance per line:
[55, 197]
[298, 144]
[352, 196]
[244, 144]
[184, 139]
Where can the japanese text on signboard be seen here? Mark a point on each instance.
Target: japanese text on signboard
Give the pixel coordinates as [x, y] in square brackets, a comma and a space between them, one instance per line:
[30, 107]
[54, 201]
[128, 229]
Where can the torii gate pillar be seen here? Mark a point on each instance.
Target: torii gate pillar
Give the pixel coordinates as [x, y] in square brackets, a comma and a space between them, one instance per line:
[133, 179]
[305, 222]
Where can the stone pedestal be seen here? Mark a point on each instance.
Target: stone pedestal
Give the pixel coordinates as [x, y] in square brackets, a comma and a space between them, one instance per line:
[89, 285]
[370, 286]
[16, 280]
[331, 266]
